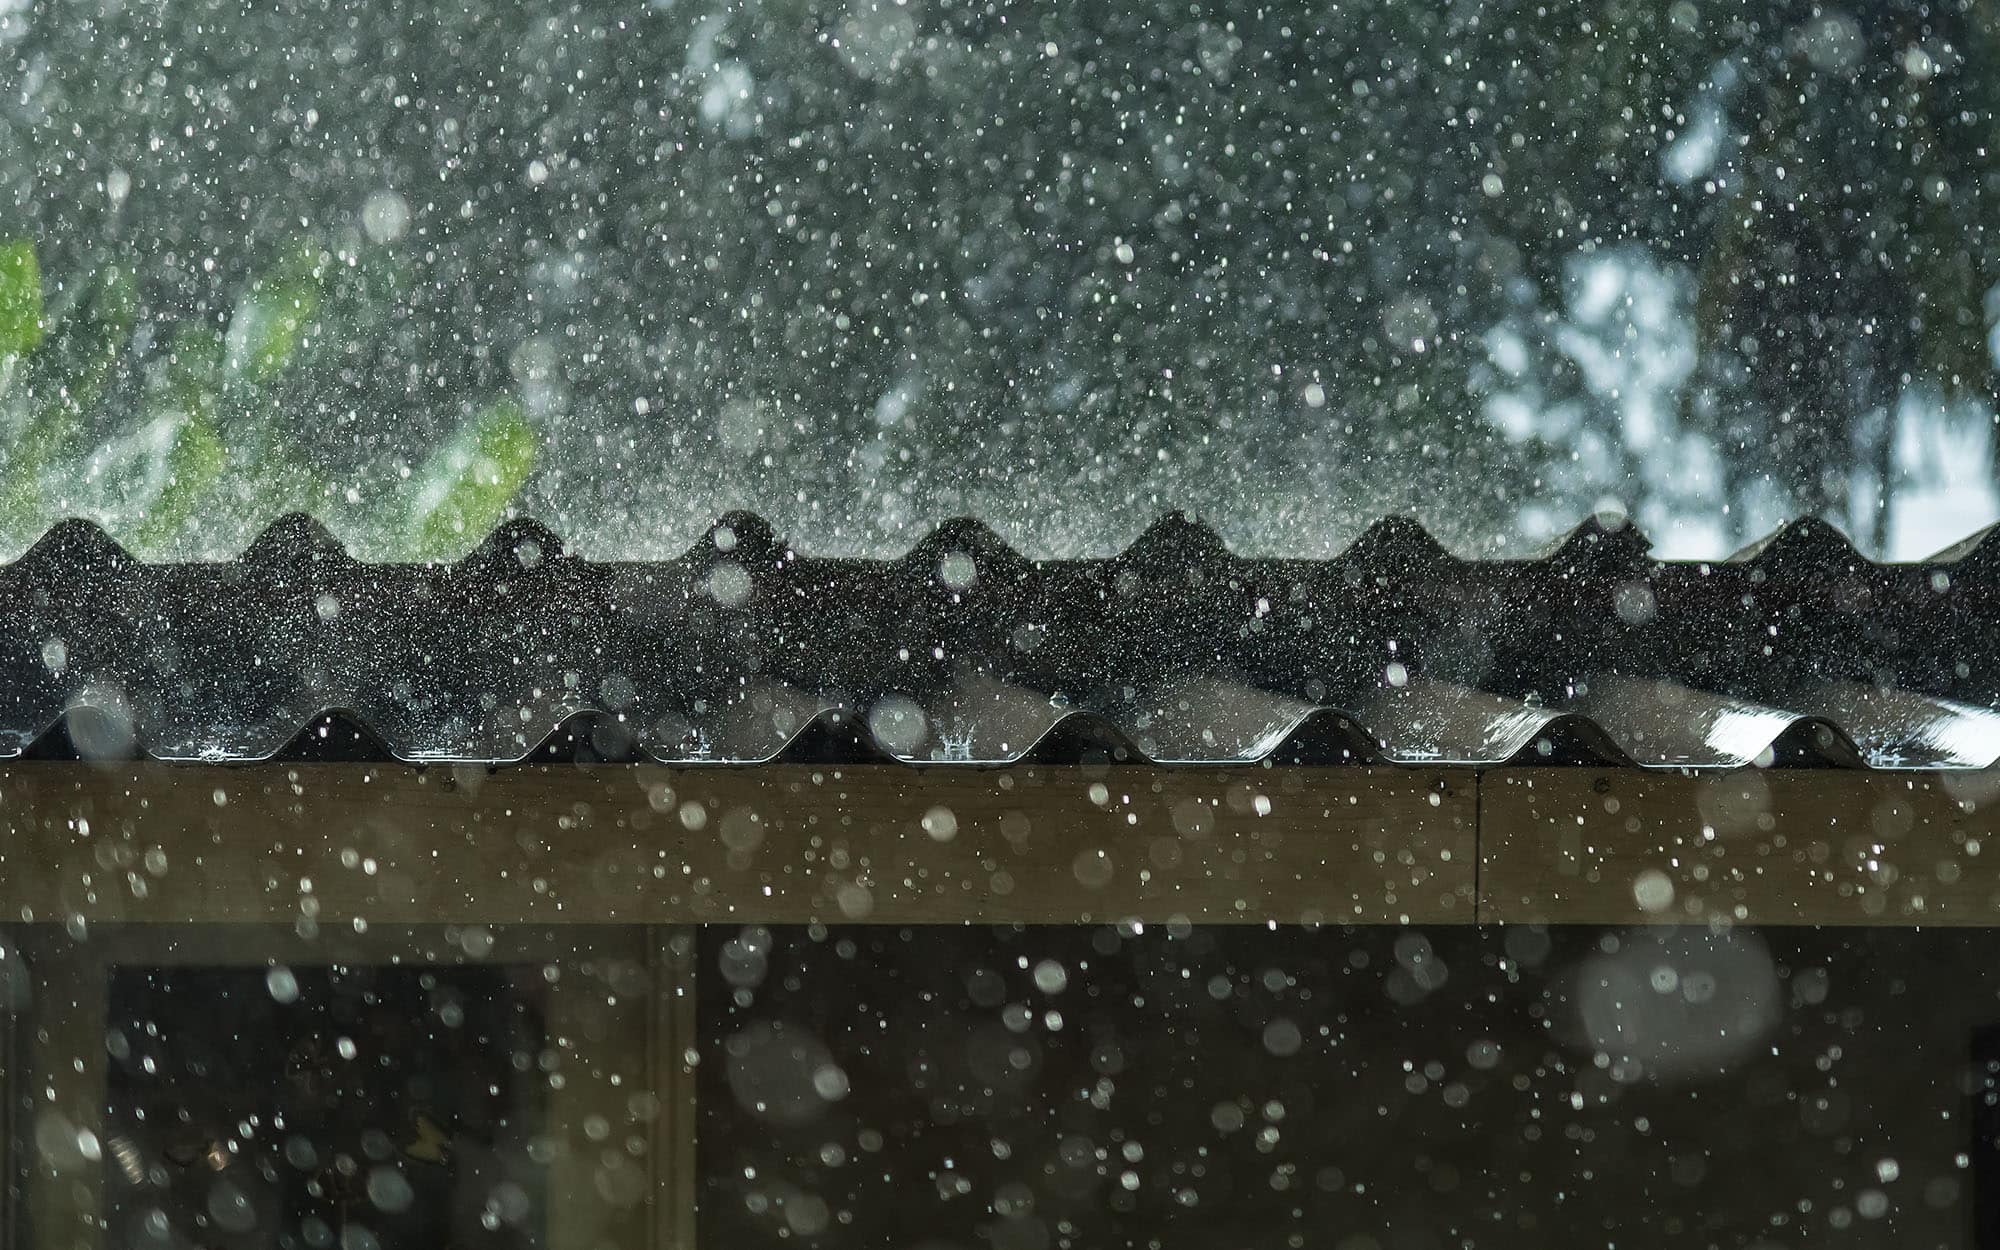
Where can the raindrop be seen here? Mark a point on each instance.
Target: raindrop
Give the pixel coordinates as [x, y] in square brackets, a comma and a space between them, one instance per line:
[385, 217]
[1653, 890]
[1092, 868]
[855, 900]
[299, 1152]
[389, 1190]
[829, 1082]
[1282, 1038]
[101, 725]
[782, 1074]
[958, 571]
[283, 986]
[741, 830]
[1634, 603]
[1410, 321]
[729, 584]
[231, 1208]
[941, 824]
[806, 1215]
[898, 724]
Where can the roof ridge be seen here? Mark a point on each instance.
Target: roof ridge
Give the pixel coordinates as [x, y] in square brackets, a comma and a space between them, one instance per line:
[1173, 533]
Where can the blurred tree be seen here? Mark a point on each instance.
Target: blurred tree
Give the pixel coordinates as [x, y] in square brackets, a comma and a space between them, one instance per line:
[863, 263]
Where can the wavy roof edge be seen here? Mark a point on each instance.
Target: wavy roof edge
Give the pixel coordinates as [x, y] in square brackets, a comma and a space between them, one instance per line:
[1325, 737]
[1398, 537]
[1797, 650]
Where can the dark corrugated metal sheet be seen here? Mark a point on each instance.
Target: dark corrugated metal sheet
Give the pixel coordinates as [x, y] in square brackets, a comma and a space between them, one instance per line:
[1797, 650]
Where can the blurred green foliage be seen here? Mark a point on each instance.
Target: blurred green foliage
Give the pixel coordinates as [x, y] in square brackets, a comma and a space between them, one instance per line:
[210, 431]
[468, 483]
[273, 317]
[20, 300]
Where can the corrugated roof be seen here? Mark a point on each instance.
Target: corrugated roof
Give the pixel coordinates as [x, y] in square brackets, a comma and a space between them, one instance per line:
[1797, 650]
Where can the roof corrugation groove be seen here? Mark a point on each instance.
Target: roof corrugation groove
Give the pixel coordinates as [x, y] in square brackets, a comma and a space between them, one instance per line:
[1795, 651]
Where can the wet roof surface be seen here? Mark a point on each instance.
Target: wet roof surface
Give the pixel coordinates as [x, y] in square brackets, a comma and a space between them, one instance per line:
[747, 649]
